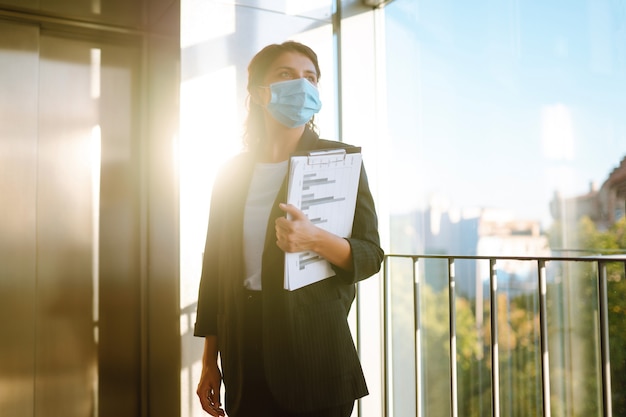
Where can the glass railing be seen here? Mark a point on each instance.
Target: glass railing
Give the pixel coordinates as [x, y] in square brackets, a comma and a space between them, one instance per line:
[529, 336]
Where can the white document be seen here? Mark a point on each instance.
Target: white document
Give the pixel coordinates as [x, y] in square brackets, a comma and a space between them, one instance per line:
[324, 185]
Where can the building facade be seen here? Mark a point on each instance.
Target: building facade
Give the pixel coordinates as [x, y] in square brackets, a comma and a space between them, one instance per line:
[604, 206]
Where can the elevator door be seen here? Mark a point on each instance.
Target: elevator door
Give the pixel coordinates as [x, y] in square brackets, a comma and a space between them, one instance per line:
[70, 304]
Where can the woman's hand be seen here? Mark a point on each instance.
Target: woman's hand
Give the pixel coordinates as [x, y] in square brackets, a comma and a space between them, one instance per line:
[210, 379]
[298, 234]
[209, 390]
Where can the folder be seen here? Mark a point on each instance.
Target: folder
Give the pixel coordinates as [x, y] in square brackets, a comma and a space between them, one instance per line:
[324, 185]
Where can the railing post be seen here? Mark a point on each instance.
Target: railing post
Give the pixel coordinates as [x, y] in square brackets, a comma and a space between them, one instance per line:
[417, 340]
[543, 328]
[495, 361]
[386, 337]
[604, 340]
[453, 363]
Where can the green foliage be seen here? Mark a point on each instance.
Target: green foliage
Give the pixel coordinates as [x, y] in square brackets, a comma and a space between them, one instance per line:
[436, 337]
[585, 236]
[617, 318]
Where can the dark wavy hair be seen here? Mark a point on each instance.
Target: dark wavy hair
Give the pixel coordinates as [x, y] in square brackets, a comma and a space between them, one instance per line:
[257, 70]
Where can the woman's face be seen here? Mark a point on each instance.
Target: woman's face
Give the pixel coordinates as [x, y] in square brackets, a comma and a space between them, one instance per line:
[288, 66]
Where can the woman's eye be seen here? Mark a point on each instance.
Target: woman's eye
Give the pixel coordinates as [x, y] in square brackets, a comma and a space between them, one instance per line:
[312, 79]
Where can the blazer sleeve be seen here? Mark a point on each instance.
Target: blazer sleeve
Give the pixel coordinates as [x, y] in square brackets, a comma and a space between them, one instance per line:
[207, 310]
[367, 255]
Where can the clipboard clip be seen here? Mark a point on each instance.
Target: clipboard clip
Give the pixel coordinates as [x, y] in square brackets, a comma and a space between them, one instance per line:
[326, 156]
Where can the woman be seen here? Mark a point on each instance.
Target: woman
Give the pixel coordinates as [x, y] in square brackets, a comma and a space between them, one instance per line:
[282, 353]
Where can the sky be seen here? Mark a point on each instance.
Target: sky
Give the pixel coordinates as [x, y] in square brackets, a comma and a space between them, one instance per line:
[502, 103]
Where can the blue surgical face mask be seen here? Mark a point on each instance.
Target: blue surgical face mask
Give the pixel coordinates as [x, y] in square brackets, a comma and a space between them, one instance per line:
[294, 102]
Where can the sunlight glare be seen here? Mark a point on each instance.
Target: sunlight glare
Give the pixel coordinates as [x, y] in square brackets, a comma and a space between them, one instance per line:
[300, 8]
[210, 132]
[95, 72]
[557, 132]
[96, 167]
[96, 158]
[205, 21]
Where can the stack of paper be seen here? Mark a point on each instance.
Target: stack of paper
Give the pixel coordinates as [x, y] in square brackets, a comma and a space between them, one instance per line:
[324, 185]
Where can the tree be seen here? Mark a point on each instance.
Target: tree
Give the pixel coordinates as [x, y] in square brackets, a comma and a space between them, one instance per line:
[586, 237]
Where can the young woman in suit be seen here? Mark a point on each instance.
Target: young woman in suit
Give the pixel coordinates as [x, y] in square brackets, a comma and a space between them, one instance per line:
[279, 353]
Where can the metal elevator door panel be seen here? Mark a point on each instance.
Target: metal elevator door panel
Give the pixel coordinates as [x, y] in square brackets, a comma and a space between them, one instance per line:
[66, 351]
[119, 300]
[19, 45]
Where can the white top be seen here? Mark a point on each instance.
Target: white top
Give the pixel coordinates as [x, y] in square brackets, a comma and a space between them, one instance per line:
[266, 181]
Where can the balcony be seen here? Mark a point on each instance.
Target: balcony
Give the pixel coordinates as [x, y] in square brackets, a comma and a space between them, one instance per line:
[531, 336]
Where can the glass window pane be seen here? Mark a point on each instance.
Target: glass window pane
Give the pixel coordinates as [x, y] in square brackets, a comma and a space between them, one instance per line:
[505, 119]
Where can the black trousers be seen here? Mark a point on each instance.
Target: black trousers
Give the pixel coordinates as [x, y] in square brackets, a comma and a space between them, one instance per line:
[257, 399]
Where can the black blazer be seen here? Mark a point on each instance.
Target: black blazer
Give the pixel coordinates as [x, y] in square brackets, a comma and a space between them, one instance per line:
[309, 355]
